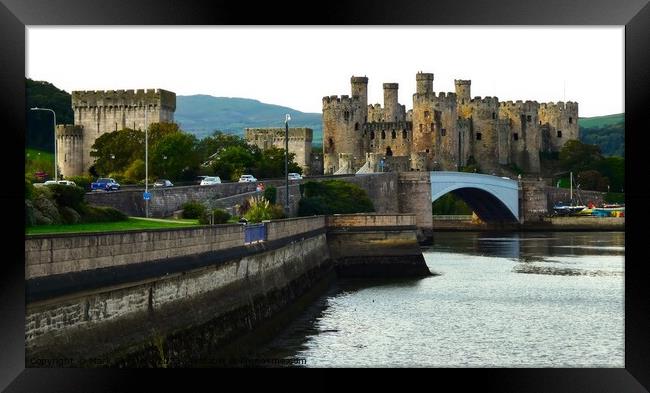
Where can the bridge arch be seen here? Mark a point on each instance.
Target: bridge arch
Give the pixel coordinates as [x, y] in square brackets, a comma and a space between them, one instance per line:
[493, 199]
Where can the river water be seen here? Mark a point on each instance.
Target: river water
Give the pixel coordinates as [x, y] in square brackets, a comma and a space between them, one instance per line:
[500, 300]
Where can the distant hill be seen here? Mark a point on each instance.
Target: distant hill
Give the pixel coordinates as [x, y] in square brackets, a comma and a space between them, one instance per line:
[202, 114]
[40, 130]
[601, 121]
[608, 132]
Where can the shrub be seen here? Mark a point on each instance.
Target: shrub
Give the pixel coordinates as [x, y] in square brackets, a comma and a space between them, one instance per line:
[333, 197]
[277, 211]
[219, 216]
[81, 181]
[69, 215]
[29, 189]
[614, 197]
[260, 210]
[67, 196]
[29, 213]
[102, 214]
[193, 209]
[48, 213]
[270, 194]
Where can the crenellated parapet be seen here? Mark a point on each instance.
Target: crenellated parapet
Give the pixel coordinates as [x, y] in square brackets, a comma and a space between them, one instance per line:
[124, 98]
[69, 130]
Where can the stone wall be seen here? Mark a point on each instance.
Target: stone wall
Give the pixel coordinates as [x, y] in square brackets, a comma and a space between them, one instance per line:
[300, 140]
[121, 323]
[556, 195]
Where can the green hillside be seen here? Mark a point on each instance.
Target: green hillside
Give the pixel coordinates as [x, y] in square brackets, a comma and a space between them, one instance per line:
[608, 132]
[601, 121]
[202, 114]
[40, 129]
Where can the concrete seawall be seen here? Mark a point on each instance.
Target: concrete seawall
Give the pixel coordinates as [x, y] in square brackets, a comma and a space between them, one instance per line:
[547, 224]
[173, 297]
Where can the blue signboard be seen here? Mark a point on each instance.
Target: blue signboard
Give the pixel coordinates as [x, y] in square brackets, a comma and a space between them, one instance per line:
[146, 196]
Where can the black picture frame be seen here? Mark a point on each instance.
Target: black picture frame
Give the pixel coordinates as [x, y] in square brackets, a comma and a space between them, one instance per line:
[634, 14]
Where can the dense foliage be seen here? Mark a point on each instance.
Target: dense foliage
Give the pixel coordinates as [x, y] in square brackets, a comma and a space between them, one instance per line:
[449, 204]
[592, 170]
[40, 127]
[607, 132]
[193, 209]
[59, 204]
[260, 209]
[333, 197]
[215, 216]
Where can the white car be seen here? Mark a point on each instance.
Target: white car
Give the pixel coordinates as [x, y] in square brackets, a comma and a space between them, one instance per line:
[295, 176]
[247, 179]
[210, 180]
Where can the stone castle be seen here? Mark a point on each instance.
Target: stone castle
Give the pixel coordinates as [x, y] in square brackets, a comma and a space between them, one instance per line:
[99, 112]
[443, 131]
[300, 140]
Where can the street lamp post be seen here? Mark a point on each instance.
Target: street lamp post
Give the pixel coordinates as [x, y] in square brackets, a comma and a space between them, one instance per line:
[146, 162]
[286, 159]
[56, 172]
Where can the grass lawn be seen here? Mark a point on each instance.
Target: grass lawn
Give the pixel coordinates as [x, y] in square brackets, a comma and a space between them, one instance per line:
[133, 223]
[38, 160]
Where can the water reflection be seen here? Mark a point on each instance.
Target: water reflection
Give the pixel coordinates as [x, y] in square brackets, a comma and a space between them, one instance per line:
[502, 300]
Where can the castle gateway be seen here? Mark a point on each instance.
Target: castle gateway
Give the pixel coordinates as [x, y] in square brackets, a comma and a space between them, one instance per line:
[443, 131]
[99, 112]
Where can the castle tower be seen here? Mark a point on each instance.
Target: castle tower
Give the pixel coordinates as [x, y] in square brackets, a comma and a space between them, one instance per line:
[525, 135]
[300, 140]
[463, 90]
[484, 132]
[391, 105]
[69, 141]
[360, 89]
[424, 82]
[99, 112]
[560, 124]
[343, 119]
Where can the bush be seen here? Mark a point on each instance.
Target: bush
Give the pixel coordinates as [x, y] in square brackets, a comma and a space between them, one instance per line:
[259, 210]
[102, 214]
[45, 210]
[333, 197]
[270, 194]
[67, 196]
[193, 209]
[29, 189]
[69, 215]
[81, 181]
[29, 213]
[614, 197]
[219, 216]
[277, 211]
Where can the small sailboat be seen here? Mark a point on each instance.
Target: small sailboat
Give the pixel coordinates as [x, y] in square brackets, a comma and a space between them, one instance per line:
[563, 209]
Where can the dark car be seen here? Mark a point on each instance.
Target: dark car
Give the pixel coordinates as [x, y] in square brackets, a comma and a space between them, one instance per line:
[163, 183]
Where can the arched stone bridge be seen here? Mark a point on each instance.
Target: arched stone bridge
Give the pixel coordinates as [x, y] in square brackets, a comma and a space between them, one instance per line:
[493, 198]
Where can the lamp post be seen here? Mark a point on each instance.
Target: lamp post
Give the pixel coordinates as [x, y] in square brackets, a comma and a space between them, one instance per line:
[286, 159]
[146, 163]
[56, 173]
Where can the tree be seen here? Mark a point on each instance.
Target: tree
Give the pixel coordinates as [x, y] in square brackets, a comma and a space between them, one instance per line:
[235, 161]
[592, 180]
[115, 151]
[271, 164]
[216, 143]
[333, 197]
[576, 156]
[174, 156]
[614, 169]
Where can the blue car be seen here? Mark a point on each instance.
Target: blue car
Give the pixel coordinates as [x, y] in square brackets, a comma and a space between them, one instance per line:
[104, 184]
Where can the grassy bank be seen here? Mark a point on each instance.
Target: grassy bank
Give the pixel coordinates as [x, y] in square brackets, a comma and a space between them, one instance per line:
[132, 223]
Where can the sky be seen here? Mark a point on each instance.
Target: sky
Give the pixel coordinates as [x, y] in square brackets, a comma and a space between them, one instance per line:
[297, 66]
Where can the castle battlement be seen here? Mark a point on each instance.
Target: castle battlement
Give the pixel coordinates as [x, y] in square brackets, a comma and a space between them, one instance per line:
[297, 133]
[123, 98]
[569, 106]
[443, 98]
[343, 100]
[69, 130]
[521, 105]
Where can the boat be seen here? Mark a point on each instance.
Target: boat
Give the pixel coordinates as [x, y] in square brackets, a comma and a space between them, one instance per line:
[563, 209]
